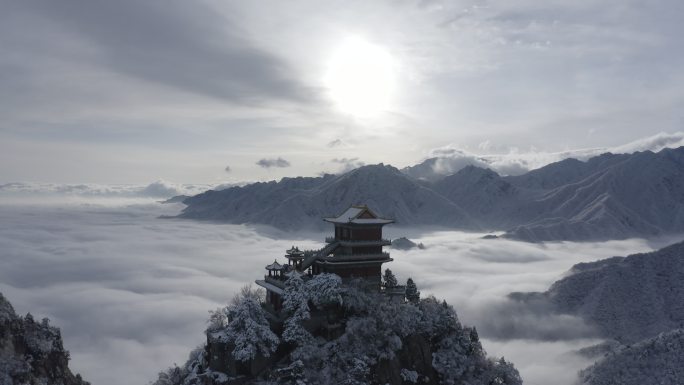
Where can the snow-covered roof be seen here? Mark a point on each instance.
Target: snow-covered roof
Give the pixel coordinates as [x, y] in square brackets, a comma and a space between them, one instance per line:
[274, 266]
[269, 286]
[360, 214]
[294, 251]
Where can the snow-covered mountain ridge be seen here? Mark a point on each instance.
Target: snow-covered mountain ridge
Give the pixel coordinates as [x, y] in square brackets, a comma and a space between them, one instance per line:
[297, 203]
[607, 197]
[657, 360]
[627, 298]
[636, 303]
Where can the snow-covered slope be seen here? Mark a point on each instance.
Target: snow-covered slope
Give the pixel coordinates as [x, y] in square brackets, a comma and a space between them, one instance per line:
[627, 298]
[484, 195]
[658, 360]
[636, 195]
[607, 197]
[564, 172]
[31, 352]
[296, 203]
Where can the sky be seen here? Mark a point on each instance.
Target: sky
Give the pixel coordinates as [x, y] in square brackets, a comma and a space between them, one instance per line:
[211, 92]
[132, 291]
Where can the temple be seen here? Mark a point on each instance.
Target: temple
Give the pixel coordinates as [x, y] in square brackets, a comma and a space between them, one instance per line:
[355, 251]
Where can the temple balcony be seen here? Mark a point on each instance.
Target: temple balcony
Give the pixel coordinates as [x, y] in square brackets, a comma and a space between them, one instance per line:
[359, 242]
[358, 257]
[275, 280]
[365, 242]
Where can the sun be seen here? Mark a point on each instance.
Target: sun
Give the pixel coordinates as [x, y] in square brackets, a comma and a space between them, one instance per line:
[360, 78]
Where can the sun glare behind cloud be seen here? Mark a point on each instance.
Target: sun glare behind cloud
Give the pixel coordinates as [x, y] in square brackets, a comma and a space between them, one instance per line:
[360, 78]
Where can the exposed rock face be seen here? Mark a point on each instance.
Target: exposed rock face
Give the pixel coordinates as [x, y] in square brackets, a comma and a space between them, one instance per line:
[31, 352]
[404, 243]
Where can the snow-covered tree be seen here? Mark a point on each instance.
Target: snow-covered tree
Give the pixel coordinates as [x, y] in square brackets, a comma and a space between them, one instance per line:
[409, 375]
[324, 289]
[295, 372]
[296, 307]
[451, 360]
[388, 279]
[502, 372]
[412, 293]
[438, 318]
[218, 320]
[378, 339]
[357, 373]
[355, 298]
[248, 291]
[294, 295]
[249, 331]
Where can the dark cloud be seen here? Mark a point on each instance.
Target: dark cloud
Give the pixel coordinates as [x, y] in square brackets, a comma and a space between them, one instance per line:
[176, 43]
[278, 162]
[335, 143]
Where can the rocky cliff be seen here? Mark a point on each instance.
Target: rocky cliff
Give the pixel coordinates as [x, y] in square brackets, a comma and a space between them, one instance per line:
[31, 352]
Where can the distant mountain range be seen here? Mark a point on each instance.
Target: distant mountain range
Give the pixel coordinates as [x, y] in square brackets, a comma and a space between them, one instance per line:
[299, 203]
[607, 197]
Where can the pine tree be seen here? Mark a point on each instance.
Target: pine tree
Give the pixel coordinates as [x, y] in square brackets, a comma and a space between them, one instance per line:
[412, 293]
[324, 289]
[249, 331]
[296, 306]
[389, 279]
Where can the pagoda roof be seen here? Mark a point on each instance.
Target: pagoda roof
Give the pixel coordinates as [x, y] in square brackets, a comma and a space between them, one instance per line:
[294, 251]
[359, 214]
[275, 266]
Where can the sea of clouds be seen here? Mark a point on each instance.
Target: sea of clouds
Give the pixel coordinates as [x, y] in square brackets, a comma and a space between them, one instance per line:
[131, 292]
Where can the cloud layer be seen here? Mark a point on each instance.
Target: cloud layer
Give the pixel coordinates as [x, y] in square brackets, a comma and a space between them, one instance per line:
[516, 162]
[132, 291]
[119, 92]
[158, 189]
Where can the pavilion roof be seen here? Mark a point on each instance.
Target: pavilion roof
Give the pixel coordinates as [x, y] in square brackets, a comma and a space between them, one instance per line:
[274, 266]
[359, 214]
[294, 251]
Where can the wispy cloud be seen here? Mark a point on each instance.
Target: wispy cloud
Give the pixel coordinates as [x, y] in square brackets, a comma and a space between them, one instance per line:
[348, 164]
